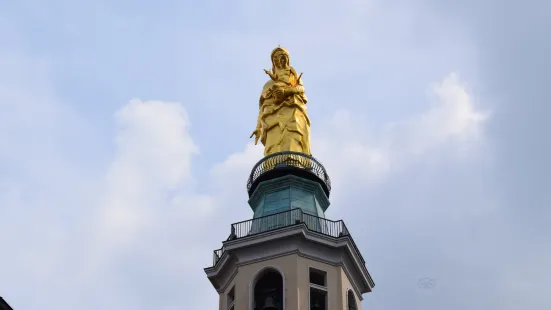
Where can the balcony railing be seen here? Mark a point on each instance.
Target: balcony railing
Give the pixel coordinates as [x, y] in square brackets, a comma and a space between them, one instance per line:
[275, 221]
[217, 254]
[289, 162]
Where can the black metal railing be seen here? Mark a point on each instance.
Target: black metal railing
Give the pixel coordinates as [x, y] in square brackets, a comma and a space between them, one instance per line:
[288, 218]
[296, 160]
[217, 254]
[275, 221]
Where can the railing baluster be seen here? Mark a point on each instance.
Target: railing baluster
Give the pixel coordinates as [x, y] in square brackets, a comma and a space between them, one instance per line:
[283, 219]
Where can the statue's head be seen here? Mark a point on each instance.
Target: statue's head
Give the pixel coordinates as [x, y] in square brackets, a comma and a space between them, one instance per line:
[280, 58]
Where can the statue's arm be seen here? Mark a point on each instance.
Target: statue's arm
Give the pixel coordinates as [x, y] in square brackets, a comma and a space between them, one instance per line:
[257, 132]
[297, 89]
[259, 118]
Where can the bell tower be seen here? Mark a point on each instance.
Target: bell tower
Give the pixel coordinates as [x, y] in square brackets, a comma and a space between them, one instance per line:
[289, 256]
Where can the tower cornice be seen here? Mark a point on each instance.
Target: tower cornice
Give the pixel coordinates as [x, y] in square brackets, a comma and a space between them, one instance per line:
[296, 239]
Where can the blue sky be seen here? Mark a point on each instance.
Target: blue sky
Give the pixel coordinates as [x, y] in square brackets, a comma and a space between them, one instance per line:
[124, 145]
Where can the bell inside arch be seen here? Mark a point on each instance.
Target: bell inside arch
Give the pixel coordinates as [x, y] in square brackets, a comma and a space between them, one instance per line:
[269, 304]
[268, 291]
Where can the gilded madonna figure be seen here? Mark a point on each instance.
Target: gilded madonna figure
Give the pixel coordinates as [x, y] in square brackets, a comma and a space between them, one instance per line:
[283, 123]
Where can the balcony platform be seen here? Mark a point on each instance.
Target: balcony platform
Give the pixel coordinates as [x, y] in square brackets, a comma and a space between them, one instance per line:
[289, 232]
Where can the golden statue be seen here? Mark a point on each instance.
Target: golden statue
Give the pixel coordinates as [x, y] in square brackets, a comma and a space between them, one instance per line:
[283, 124]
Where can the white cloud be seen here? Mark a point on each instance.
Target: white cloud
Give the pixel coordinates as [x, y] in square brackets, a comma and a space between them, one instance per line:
[453, 115]
[153, 158]
[238, 163]
[351, 152]
[143, 213]
[151, 208]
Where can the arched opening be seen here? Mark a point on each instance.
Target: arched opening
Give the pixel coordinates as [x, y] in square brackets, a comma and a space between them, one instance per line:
[268, 290]
[351, 301]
